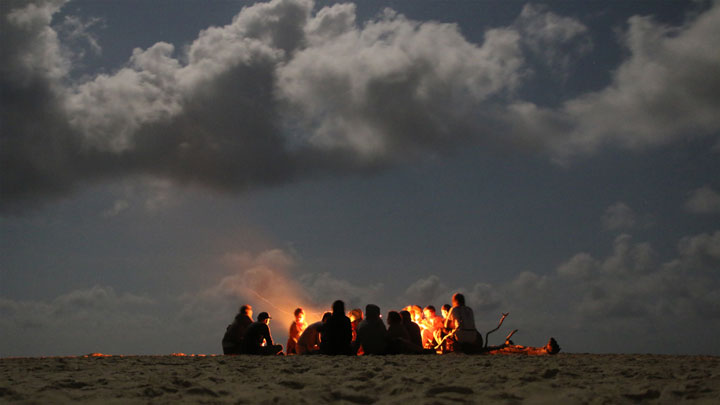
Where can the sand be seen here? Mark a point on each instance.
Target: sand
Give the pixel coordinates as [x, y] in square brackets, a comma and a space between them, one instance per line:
[447, 379]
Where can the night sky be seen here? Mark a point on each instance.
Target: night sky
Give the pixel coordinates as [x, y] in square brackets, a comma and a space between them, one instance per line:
[164, 162]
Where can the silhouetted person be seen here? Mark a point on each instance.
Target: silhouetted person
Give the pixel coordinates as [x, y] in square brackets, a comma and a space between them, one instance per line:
[309, 340]
[257, 334]
[372, 336]
[399, 339]
[337, 332]
[233, 338]
[460, 323]
[412, 328]
[296, 328]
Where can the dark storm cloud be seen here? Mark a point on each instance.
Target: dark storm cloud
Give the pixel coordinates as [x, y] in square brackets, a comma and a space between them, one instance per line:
[284, 91]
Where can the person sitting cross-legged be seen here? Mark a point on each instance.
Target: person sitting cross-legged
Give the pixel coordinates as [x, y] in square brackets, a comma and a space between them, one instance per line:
[257, 334]
[371, 333]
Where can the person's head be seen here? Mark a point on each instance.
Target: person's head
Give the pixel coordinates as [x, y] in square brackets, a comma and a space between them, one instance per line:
[338, 307]
[264, 317]
[355, 315]
[246, 310]
[458, 300]
[326, 316]
[429, 312]
[299, 315]
[406, 316]
[372, 311]
[445, 310]
[394, 318]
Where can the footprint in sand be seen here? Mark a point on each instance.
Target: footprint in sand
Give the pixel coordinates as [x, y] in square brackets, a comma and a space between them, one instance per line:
[354, 398]
[641, 396]
[201, 391]
[296, 385]
[448, 389]
[455, 389]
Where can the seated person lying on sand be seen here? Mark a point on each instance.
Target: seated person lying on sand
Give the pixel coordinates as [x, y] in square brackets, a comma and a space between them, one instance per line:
[232, 340]
[400, 342]
[372, 337]
[296, 328]
[257, 334]
[412, 328]
[309, 340]
[460, 324]
[337, 332]
[551, 347]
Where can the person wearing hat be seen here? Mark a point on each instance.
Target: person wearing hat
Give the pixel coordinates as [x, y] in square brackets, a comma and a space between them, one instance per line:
[258, 333]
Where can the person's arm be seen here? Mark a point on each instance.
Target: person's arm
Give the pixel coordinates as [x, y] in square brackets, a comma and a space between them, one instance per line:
[451, 323]
[268, 337]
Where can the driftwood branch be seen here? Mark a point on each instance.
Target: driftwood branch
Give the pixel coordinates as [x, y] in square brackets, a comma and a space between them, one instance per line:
[507, 338]
[504, 315]
[439, 345]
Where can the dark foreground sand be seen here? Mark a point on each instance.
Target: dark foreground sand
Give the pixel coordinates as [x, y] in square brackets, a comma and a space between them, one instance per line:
[448, 379]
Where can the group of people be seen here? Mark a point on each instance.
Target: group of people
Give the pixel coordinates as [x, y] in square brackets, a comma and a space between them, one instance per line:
[414, 330]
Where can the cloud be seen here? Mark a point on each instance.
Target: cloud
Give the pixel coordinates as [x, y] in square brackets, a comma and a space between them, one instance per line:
[665, 90]
[632, 289]
[703, 200]
[118, 207]
[628, 301]
[80, 322]
[555, 39]
[619, 216]
[285, 92]
[77, 30]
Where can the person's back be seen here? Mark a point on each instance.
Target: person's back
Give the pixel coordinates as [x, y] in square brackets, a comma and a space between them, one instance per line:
[399, 339]
[337, 332]
[309, 340]
[232, 341]
[461, 323]
[412, 328]
[371, 333]
[463, 319]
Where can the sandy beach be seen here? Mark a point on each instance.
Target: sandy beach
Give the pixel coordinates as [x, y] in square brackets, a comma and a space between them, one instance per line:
[565, 378]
